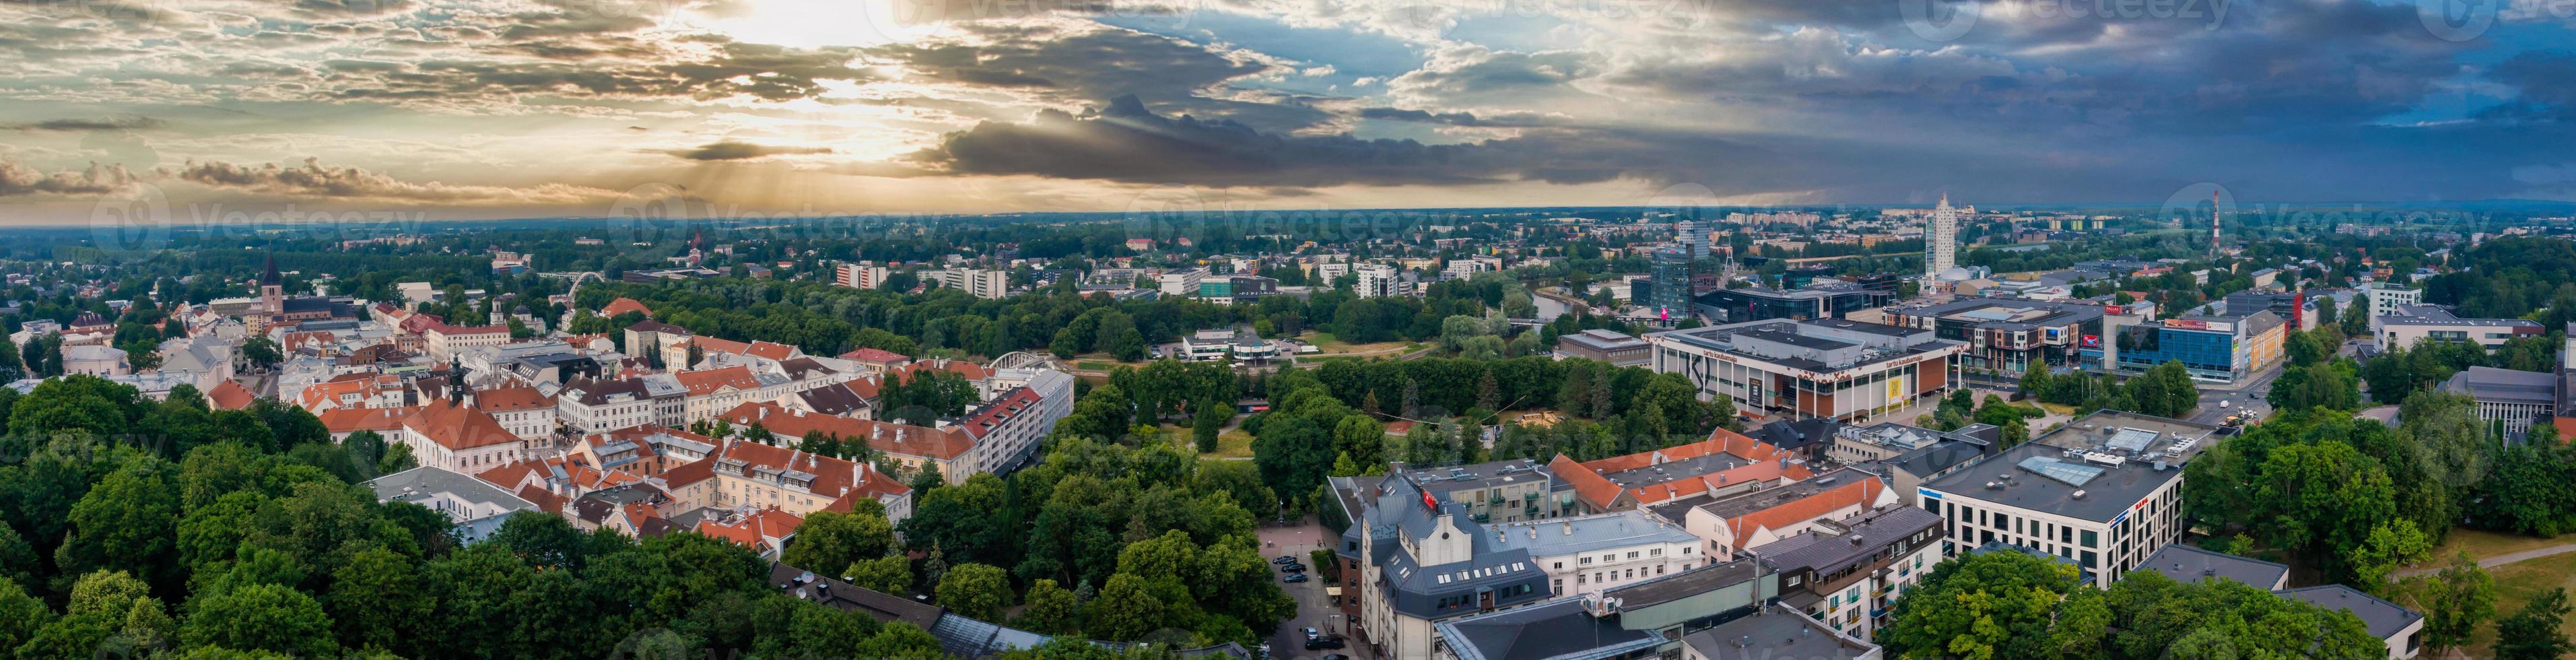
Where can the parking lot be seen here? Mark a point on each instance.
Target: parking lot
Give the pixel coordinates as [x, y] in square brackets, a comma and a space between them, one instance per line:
[1315, 609]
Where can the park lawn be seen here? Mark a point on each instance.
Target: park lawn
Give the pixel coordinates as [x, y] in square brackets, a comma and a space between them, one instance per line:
[1331, 344]
[1088, 365]
[1231, 444]
[2481, 544]
[2517, 583]
[2057, 408]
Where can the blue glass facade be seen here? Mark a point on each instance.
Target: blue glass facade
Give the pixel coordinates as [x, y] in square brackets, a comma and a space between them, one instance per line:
[2207, 353]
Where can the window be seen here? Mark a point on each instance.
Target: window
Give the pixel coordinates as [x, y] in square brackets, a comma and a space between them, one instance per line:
[1632, 554]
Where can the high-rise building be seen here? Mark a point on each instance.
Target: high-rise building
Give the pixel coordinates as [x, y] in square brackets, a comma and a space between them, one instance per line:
[1692, 237]
[1672, 292]
[1941, 239]
[1375, 280]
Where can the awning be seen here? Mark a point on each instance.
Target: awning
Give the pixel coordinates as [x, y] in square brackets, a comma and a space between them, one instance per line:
[1333, 591]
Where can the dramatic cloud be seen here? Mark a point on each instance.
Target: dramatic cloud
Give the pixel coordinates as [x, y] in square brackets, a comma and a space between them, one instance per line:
[730, 150]
[314, 180]
[97, 124]
[1125, 142]
[18, 179]
[970, 105]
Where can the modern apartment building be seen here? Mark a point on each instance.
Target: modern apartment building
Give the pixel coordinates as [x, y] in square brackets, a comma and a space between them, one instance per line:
[2006, 334]
[2408, 325]
[1819, 299]
[1848, 572]
[2103, 492]
[1817, 368]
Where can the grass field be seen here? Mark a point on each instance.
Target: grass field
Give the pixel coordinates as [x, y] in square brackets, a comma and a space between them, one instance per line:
[1332, 345]
[2516, 584]
[2483, 544]
[1231, 444]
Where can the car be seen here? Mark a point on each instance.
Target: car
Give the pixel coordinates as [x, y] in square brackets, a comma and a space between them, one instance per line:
[1293, 578]
[1335, 656]
[1284, 559]
[1294, 568]
[1311, 633]
[1324, 642]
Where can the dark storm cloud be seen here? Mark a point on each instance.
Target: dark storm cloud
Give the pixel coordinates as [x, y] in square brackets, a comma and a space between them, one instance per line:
[127, 122]
[1085, 65]
[730, 150]
[768, 72]
[1125, 142]
[2546, 86]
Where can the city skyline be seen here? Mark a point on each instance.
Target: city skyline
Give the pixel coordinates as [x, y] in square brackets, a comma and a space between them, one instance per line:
[487, 109]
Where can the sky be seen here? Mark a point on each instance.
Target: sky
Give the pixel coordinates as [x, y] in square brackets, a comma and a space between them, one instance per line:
[208, 111]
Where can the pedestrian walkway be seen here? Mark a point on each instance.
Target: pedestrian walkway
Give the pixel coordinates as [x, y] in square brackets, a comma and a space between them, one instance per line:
[2490, 562]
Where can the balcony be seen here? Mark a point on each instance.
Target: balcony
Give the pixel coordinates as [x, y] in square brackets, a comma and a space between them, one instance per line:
[1498, 500]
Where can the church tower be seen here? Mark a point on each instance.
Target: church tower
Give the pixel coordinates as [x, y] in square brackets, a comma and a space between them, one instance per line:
[458, 392]
[272, 289]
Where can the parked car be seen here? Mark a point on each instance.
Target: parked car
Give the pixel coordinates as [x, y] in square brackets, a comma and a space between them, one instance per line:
[1294, 568]
[1284, 559]
[1311, 633]
[1335, 656]
[1293, 578]
[1324, 642]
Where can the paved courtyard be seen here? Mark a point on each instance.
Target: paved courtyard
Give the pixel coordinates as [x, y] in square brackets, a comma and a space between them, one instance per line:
[1315, 608]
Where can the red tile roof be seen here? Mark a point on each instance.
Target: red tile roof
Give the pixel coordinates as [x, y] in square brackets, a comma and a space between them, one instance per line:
[624, 305]
[352, 420]
[1859, 493]
[767, 350]
[229, 395]
[1764, 464]
[456, 427]
[755, 531]
[710, 381]
[506, 399]
[889, 437]
[875, 355]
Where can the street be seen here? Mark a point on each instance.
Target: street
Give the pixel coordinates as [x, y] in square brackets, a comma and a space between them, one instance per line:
[2248, 395]
[1315, 609]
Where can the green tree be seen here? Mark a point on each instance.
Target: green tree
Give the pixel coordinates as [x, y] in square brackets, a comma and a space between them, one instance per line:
[1981, 607]
[261, 352]
[2392, 544]
[830, 541]
[975, 590]
[888, 574]
[378, 600]
[21, 615]
[1207, 424]
[127, 523]
[2532, 633]
[1125, 610]
[1051, 609]
[2455, 601]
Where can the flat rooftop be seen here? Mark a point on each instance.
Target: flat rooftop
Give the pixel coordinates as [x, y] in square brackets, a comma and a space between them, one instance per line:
[2094, 469]
[2437, 315]
[1670, 471]
[1480, 475]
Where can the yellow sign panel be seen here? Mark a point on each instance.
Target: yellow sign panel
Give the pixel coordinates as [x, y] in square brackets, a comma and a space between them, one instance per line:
[1895, 389]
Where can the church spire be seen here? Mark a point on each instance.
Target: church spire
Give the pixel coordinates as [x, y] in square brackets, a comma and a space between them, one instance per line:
[457, 391]
[268, 275]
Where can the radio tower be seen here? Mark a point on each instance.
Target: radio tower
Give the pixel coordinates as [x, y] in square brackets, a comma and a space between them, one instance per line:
[2213, 224]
